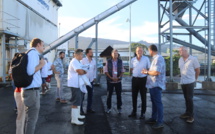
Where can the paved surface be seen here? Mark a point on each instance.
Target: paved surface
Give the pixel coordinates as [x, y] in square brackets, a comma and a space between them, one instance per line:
[54, 118]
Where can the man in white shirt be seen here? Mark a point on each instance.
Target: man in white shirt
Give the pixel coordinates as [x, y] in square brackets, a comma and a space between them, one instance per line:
[91, 74]
[31, 94]
[139, 63]
[190, 70]
[74, 70]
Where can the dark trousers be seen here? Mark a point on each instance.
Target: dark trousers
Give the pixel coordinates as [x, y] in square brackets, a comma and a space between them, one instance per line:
[139, 85]
[188, 96]
[89, 97]
[110, 89]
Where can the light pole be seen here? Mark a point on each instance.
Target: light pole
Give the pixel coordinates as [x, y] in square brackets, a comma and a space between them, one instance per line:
[129, 20]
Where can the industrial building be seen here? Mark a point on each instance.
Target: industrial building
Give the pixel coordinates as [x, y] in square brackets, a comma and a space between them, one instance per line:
[20, 22]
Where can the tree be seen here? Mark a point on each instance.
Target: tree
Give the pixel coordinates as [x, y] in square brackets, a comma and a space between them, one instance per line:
[176, 57]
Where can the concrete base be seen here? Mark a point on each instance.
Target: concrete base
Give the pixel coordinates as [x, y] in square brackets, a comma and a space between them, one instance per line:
[208, 85]
[171, 85]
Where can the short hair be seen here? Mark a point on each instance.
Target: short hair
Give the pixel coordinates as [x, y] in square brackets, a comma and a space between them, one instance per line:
[139, 47]
[78, 51]
[35, 41]
[114, 50]
[153, 48]
[87, 50]
[185, 48]
[61, 53]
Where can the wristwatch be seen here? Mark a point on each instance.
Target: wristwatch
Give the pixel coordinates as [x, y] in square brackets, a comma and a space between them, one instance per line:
[147, 72]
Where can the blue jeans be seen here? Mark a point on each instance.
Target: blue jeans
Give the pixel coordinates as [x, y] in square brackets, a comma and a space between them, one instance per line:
[157, 106]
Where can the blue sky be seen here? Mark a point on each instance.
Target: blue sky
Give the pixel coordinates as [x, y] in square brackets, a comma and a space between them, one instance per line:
[144, 15]
[144, 19]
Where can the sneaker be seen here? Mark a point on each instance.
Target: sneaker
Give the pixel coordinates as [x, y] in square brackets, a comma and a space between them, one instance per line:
[133, 114]
[190, 120]
[63, 101]
[43, 93]
[184, 116]
[151, 121]
[119, 111]
[158, 125]
[58, 99]
[108, 111]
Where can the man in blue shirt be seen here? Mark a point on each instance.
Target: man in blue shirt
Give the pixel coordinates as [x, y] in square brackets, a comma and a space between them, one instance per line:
[156, 83]
[31, 94]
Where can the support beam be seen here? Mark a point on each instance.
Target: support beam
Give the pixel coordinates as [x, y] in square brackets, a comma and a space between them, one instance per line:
[91, 43]
[190, 23]
[171, 41]
[96, 46]
[76, 41]
[186, 44]
[3, 57]
[16, 45]
[192, 31]
[159, 28]
[209, 42]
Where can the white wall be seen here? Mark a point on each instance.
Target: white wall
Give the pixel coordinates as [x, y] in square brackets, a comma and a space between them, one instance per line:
[18, 19]
[27, 24]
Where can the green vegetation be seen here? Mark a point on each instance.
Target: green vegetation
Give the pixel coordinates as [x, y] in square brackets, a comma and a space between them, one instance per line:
[134, 45]
[176, 57]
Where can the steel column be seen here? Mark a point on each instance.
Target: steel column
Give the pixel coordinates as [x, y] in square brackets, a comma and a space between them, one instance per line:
[96, 46]
[76, 41]
[3, 57]
[209, 41]
[159, 28]
[190, 24]
[171, 41]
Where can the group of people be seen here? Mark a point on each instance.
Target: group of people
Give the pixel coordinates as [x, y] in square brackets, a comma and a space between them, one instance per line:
[152, 76]
[82, 74]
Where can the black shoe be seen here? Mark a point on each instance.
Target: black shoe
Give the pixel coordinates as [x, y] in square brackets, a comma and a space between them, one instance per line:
[133, 114]
[151, 121]
[142, 116]
[184, 116]
[90, 111]
[82, 113]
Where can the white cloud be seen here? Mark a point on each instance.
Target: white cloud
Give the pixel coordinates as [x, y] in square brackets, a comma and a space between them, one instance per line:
[187, 17]
[110, 29]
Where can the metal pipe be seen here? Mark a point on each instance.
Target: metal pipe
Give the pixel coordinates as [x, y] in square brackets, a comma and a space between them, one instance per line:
[209, 41]
[16, 45]
[159, 28]
[190, 23]
[129, 37]
[171, 41]
[96, 46]
[89, 24]
[3, 57]
[213, 23]
[76, 41]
